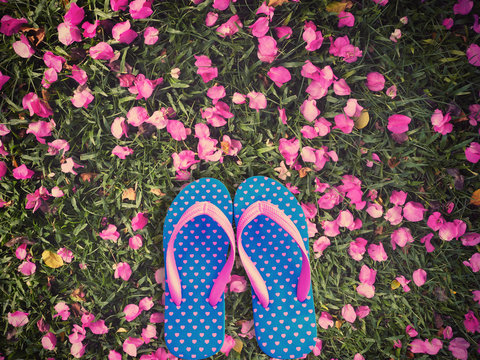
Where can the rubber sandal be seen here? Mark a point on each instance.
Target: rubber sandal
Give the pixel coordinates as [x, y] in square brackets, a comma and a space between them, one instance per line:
[272, 241]
[196, 237]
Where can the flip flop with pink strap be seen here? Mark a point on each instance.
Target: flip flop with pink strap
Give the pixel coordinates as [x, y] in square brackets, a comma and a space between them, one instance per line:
[196, 236]
[272, 241]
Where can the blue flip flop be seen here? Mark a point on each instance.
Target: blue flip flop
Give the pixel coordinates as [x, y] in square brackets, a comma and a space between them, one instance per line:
[196, 236]
[272, 241]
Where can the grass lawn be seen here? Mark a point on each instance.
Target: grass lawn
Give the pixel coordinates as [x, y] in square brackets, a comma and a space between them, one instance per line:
[369, 113]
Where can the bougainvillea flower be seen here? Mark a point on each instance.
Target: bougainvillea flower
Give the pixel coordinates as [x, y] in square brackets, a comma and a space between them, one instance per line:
[283, 31]
[414, 211]
[34, 200]
[156, 318]
[341, 88]
[476, 24]
[410, 330]
[65, 254]
[473, 54]
[3, 79]
[98, 327]
[131, 311]
[257, 100]
[352, 109]
[279, 75]
[204, 68]
[357, 248]
[221, 4]
[40, 129]
[230, 147]
[82, 97]
[3, 169]
[53, 61]
[381, 2]
[110, 233]
[21, 252]
[398, 197]
[401, 237]
[366, 290]
[391, 92]
[216, 93]
[140, 9]
[49, 77]
[74, 15]
[77, 350]
[320, 245]
[131, 344]
[458, 347]
[22, 172]
[63, 310]
[122, 32]
[260, 27]
[348, 313]
[289, 149]
[101, 51]
[362, 311]
[122, 151]
[211, 19]
[325, 320]
[344, 123]
[471, 239]
[18, 318]
[151, 35]
[266, 10]
[403, 282]
[375, 210]
[341, 47]
[139, 221]
[375, 81]
[330, 228]
[398, 124]
[230, 27]
[68, 34]
[137, 115]
[79, 75]
[447, 23]
[452, 230]
[177, 130]
[462, 7]
[184, 160]
[58, 146]
[27, 268]
[49, 341]
[207, 149]
[447, 333]
[228, 345]
[146, 303]
[311, 36]
[23, 48]
[471, 322]
[427, 241]
[309, 110]
[144, 87]
[135, 242]
[367, 275]
[119, 128]
[377, 252]
[117, 5]
[474, 116]
[441, 123]
[10, 25]
[267, 49]
[90, 30]
[345, 19]
[148, 333]
[237, 284]
[472, 153]
[419, 277]
[123, 271]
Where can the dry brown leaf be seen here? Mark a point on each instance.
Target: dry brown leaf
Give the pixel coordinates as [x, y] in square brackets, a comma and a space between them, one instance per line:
[38, 34]
[225, 147]
[157, 192]
[129, 194]
[475, 200]
[78, 294]
[304, 171]
[19, 239]
[338, 6]
[88, 176]
[393, 162]
[277, 2]
[238, 346]
[338, 324]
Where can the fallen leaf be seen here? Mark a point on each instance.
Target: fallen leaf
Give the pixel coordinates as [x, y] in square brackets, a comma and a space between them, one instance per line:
[338, 324]
[88, 176]
[395, 285]
[277, 2]
[121, 330]
[52, 259]
[303, 172]
[362, 120]
[337, 6]
[19, 239]
[157, 192]
[129, 194]
[475, 200]
[393, 162]
[38, 34]
[78, 294]
[238, 346]
[225, 147]
[379, 230]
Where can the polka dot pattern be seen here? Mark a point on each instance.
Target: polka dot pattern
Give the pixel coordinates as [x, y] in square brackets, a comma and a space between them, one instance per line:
[286, 328]
[195, 329]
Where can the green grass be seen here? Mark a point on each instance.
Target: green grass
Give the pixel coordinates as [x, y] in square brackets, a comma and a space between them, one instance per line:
[427, 65]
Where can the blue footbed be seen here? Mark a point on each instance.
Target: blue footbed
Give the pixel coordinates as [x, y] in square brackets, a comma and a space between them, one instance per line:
[286, 329]
[195, 329]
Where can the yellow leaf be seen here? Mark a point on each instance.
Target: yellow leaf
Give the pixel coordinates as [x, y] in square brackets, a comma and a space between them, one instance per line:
[395, 284]
[362, 120]
[157, 192]
[52, 259]
[120, 330]
[238, 346]
[337, 6]
[338, 324]
[475, 200]
[277, 2]
[129, 194]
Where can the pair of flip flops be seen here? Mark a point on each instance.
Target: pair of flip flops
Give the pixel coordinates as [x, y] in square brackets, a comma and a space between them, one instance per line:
[199, 248]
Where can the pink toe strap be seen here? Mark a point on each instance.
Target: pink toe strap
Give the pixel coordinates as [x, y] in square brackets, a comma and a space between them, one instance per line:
[173, 279]
[277, 215]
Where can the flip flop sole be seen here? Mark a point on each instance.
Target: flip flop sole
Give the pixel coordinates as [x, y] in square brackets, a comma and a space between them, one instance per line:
[195, 329]
[286, 329]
